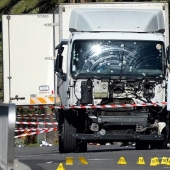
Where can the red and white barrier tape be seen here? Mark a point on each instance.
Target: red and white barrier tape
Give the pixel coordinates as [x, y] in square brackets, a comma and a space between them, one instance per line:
[97, 106]
[30, 115]
[37, 107]
[29, 129]
[35, 118]
[36, 133]
[36, 123]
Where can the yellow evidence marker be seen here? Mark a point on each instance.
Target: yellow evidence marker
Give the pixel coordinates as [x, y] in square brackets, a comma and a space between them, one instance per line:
[141, 161]
[83, 160]
[157, 160]
[69, 160]
[61, 167]
[168, 161]
[164, 161]
[122, 161]
[153, 162]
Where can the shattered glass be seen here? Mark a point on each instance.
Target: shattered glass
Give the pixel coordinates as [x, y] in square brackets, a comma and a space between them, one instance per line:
[115, 58]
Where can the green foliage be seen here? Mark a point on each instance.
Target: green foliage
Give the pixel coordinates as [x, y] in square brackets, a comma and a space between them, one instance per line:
[35, 11]
[34, 145]
[19, 142]
[30, 140]
[34, 6]
[24, 6]
[4, 3]
[28, 6]
[27, 141]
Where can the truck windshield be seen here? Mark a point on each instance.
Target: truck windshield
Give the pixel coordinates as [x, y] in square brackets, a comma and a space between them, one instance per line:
[91, 58]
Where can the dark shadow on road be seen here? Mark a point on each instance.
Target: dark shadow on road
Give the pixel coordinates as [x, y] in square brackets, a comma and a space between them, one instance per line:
[110, 148]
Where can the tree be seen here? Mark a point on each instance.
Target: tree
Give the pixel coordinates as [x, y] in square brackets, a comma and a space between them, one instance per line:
[27, 6]
[4, 4]
[34, 6]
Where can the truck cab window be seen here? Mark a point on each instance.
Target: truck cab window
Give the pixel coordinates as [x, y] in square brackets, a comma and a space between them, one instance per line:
[108, 57]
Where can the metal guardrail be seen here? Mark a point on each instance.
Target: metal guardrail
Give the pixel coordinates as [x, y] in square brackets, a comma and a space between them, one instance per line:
[7, 126]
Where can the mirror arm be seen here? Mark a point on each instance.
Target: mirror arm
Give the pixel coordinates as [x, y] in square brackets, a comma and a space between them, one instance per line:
[63, 76]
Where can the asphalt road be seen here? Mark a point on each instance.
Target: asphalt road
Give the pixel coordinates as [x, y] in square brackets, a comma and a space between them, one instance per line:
[111, 157]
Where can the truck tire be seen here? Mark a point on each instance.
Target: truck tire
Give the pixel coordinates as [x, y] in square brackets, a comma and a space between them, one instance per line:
[163, 144]
[165, 117]
[59, 117]
[67, 144]
[70, 122]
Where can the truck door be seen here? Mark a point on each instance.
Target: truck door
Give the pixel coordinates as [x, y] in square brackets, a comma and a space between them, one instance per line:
[28, 65]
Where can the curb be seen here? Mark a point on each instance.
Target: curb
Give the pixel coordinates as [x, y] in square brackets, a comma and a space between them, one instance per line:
[20, 166]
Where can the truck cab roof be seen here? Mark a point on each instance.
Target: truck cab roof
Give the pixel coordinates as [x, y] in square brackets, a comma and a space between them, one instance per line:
[125, 20]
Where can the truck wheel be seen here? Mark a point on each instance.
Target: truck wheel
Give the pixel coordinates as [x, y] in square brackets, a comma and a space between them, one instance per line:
[59, 117]
[166, 132]
[68, 143]
[69, 122]
[142, 145]
[165, 117]
[163, 144]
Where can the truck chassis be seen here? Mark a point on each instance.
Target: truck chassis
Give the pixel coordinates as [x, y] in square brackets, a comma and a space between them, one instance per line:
[77, 127]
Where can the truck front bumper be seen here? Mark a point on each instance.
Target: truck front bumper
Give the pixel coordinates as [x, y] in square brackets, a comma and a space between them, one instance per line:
[119, 137]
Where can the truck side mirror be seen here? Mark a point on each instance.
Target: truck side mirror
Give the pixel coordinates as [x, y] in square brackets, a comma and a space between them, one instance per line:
[168, 54]
[59, 60]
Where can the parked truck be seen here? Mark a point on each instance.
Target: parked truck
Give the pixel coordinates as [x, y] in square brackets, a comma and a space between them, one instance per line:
[103, 67]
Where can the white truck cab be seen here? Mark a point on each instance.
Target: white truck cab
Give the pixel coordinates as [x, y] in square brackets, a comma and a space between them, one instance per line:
[115, 77]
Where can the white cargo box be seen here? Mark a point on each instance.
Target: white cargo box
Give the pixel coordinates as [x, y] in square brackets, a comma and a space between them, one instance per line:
[28, 76]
